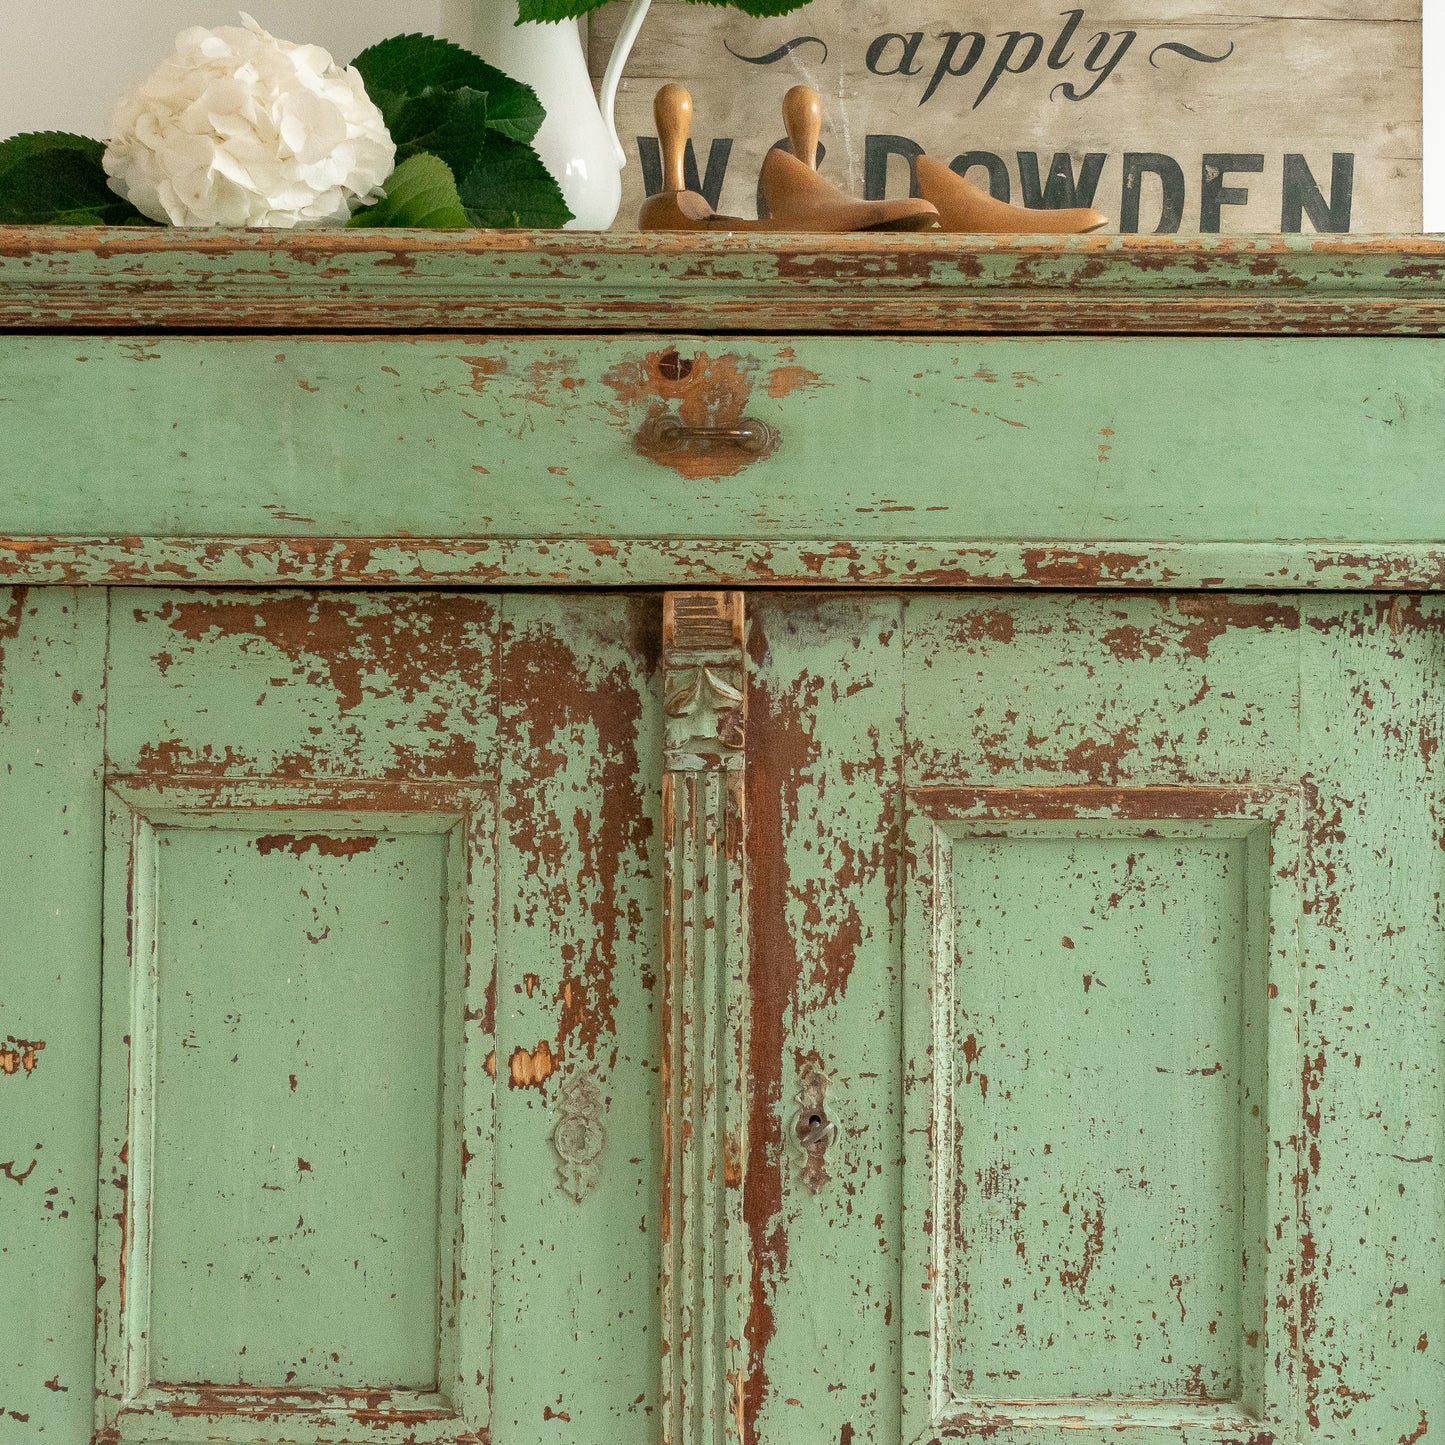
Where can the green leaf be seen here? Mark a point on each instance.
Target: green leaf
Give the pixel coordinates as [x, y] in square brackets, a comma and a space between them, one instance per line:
[451, 124]
[758, 8]
[546, 10]
[422, 193]
[509, 186]
[53, 178]
[407, 67]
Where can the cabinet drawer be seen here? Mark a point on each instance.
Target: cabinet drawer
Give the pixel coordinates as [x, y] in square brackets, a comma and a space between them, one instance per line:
[548, 457]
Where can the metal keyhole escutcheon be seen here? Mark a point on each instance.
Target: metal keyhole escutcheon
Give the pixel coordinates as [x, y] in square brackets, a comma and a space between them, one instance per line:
[814, 1130]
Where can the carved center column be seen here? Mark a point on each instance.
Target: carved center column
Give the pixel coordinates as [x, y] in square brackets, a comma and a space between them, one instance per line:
[704, 1062]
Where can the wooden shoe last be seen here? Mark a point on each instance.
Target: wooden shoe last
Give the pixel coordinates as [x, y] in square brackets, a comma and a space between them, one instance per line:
[963, 206]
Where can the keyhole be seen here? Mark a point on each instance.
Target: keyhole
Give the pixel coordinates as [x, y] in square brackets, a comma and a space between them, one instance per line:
[674, 367]
[809, 1127]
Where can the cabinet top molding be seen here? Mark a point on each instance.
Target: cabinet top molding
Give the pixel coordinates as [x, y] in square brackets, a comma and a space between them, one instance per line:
[84, 279]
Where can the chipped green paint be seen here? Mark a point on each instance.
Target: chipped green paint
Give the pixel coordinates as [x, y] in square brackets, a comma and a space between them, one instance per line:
[1176, 442]
[1144, 834]
[361, 849]
[85, 278]
[1102, 925]
[52, 651]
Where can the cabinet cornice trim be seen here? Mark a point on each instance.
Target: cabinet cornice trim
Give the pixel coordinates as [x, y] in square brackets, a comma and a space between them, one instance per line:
[78, 279]
[311, 561]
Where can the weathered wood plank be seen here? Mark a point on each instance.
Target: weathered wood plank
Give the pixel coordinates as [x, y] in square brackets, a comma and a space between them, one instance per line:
[1373, 996]
[52, 650]
[579, 1034]
[138, 280]
[1148, 440]
[300, 946]
[826, 852]
[715, 562]
[706, 1280]
[1207, 122]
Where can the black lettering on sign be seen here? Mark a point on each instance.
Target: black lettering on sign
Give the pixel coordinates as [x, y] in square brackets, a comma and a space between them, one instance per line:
[649, 152]
[1214, 194]
[1302, 195]
[952, 40]
[905, 66]
[782, 52]
[1189, 53]
[1095, 63]
[1012, 39]
[1137, 165]
[1057, 59]
[878, 149]
[1061, 191]
[1061, 188]
[900, 53]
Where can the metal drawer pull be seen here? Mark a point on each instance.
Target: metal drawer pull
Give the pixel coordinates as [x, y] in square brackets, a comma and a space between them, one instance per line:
[668, 433]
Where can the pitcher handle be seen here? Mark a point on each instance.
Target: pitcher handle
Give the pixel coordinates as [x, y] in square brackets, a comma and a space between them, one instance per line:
[621, 53]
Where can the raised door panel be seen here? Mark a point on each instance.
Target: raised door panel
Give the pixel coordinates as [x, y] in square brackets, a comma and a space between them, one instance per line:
[1101, 1044]
[378, 1089]
[1143, 893]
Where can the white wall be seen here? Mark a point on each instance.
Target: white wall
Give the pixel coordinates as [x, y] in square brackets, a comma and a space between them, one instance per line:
[64, 62]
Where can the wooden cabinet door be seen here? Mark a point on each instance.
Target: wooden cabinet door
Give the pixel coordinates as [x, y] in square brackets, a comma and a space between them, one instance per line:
[769, 1018]
[378, 1049]
[1104, 933]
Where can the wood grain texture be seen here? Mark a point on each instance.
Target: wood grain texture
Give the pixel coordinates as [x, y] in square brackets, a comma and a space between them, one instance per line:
[1355, 69]
[1079, 724]
[825, 1332]
[705, 1059]
[1373, 1015]
[511, 448]
[577, 1345]
[85, 279]
[540, 563]
[297, 1111]
[52, 651]
[348, 764]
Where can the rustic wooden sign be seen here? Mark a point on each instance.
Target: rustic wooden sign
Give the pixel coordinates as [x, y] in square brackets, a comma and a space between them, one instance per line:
[1188, 117]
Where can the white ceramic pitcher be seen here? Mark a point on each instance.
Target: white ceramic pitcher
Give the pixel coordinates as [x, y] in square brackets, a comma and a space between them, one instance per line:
[578, 141]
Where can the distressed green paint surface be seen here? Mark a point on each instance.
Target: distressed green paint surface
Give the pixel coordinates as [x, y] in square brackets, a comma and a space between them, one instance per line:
[292, 685]
[300, 935]
[1010, 692]
[360, 716]
[1314, 718]
[825, 735]
[52, 648]
[1374, 1021]
[295, 1174]
[545, 709]
[1132, 439]
[1182, 695]
[576, 1352]
[56, 278]
[1102, 1181]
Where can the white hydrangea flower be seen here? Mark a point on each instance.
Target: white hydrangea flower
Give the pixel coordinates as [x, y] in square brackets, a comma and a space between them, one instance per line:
[238, 128]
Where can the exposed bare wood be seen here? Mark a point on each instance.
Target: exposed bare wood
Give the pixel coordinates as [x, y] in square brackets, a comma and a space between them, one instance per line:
[86, 278]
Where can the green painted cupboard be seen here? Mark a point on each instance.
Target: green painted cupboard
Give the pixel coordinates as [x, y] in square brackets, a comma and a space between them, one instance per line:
[721, 842]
